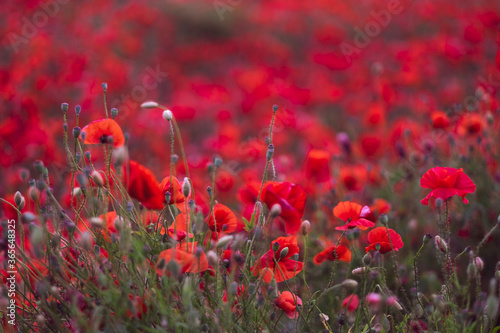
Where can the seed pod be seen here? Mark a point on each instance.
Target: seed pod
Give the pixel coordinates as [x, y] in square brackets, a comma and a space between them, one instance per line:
[305, 228]
[167, 115]
[64, 107]
[149, 105]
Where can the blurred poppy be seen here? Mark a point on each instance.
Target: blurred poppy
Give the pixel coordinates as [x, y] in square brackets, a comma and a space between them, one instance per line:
[176, 195]
[143, 186]
[445, 183]
[379, 238]
[179, 228]
[353, 214]
[440, 120]
[317, 165]
[340, 252]
[288, 302]
[292, 200]
[103, 131]
[351, 302]
[189, 260]
[353, 177]
[287, 268]
[470, 124]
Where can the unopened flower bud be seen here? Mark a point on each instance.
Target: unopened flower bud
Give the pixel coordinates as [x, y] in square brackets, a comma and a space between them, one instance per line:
[96, 222]
[212, 258]
[167, 197]
[174, 158]
[97, 178]
[276, 246]
[270, 152]
[441, 244]
[120, 155]
[471, 271]
[186, 187]
[479, 263]
[384, 219]
[275, 210]
[167, 115]
[349, 283]
[275, 108]
[283, 252]
[78, 110]
[87, 155]
[274, 287]
[439, 202]
[104, 86]
[64, 107]
[149, 105]
[427, 238]
[305, 228]
[18, 199]
[217, 162]
[359, 271]
[367, 259]
[114, 112]
[38, 166]
[224, 241]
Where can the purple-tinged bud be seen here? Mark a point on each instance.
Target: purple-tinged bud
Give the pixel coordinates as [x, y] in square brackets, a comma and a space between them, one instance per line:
[344, 142]
[305, 228]
[104, 86]
[114, 112]
[78, 110]
[186, 187]
[270, 152]
[441, 244]
[64, 107]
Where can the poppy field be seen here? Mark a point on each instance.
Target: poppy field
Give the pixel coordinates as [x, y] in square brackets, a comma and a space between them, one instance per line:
[250, 166]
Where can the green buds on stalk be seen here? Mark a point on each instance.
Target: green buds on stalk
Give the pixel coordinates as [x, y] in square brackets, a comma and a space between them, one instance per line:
[64, 107]
[104, 86]
[78, 110]
[114, 112]
[270, 152]
[76, 132]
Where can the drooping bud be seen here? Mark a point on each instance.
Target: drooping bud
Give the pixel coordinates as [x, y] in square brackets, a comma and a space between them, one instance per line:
[305, 228]
[224, 241]
[88, 155]
[359, 271]
[19, 199]
[349, 283]
[149, 105]
[167, 115]
[186, 187]
[212, 258]
[427, 238]
[384, 219]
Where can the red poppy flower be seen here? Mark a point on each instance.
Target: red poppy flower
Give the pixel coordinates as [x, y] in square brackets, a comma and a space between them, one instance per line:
[343, 254]
[286, 269]
[470, 124]
[380, 236]
[288, 302]
[317, 165]
[354, 177]
[440, 120]
[224, 219]
[353, 214]
[292, 200]
[103, 131]
[179, 229]
[446, 182]
[185, 257]
[143, 186]
[351, 302]
[176, 195]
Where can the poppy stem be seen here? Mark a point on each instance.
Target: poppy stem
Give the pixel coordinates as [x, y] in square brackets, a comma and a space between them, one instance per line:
[332, 274]
[105, 105]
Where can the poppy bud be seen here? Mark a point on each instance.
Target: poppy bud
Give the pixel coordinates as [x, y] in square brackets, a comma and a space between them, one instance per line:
[97, 178]
[34, 194]
[275, 108]
[441, 244]
[275, 210]
[359, 271]
[87, 155]
[167, 115]
[114, 112]
[345, 142]
[276, 246]
[471, 271]
[24, 174]
[78, 110]
[104, 86]
[427, 238]
[96, 222]
[224, 241]
[120, 155]
[305, 227]
[283, 252]
[78, 158]
[174, 158]
[38, 166]
[40, 320]
[367, 259]
[192, 205]
[64, 107]
[384, 219]
[349, 283]
[173, 268]
[218, 162]
[439, 202]
[129, 207]
[18, 199]
[274, 287]
[479, 263]
[149, 105]
[167, 196]
[186, 187]
[212, 258]
[373, 298]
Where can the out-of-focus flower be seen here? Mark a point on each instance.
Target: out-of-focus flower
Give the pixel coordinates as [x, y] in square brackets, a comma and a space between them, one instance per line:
[445, 183]
[189, 260]
[143, 186]
[225, 221]
[333, 253]
[288, 302]
[292, 200]
[353, 214]
[317, 165]
[351, 303]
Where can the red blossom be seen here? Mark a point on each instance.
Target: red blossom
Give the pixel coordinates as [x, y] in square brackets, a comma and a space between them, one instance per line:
[143, 186]
[353, 214]
[386, 238]
[445, 183]
[288, 302]
[333, 253]
[103, 131]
